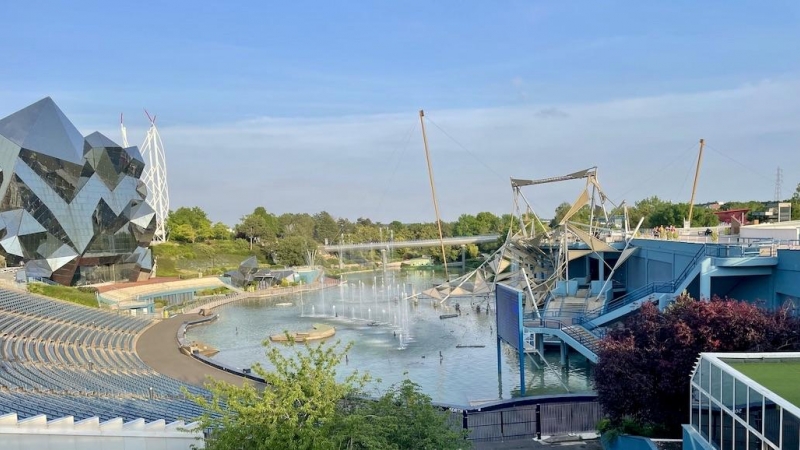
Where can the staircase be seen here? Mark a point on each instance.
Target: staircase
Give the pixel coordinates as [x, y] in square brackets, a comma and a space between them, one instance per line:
[576, 336]
[583, 336]
[612, 310]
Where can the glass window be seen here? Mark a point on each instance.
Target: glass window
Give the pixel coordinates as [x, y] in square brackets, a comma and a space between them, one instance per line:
[790, 431]
[755, 414]
[727, 390]
[695, 405]
[740, 399]
[716, 426]
[772, 421]
[704, 416]
[739, 436]
[704, 374]
[715, 382]
[755, 442]
[727, 431]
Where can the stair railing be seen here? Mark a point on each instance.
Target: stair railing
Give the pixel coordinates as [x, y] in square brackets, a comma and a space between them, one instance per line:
[656, 287]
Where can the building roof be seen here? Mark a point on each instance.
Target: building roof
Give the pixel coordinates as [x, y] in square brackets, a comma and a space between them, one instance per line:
[774, 375]
[779, 376]
[42, 127]
[778, 225]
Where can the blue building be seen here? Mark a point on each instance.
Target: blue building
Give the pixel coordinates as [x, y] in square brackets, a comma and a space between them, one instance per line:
[603, 287]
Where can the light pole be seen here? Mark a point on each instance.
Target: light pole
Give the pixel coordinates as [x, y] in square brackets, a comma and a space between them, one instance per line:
[341, 249]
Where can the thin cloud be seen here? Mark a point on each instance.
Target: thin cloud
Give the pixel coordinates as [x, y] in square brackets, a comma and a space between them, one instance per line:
[374, 165]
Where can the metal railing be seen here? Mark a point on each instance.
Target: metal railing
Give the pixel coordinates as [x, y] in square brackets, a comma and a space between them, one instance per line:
[588, 340]
[530, 418]
[656, 287]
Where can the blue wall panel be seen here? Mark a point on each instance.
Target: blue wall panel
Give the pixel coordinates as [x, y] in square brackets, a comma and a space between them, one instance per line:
[787, 275]
[509, 315]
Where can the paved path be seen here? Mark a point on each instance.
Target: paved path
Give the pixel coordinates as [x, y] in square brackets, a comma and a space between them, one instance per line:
[158, 348]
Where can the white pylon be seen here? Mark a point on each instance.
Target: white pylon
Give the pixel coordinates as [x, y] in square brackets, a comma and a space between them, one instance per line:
[155, 178]
[124, 133]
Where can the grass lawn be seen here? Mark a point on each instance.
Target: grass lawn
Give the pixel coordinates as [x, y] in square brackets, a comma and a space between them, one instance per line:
[66, 293]
[779, 377]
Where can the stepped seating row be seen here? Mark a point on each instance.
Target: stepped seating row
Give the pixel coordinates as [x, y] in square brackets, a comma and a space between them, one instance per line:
[22, 303]
[17, 325]
[31, 350]
[28, 404]
[60, 359]
[42, 378]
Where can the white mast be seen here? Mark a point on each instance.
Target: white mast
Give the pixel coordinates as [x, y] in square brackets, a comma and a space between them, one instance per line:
[155, 178]
[124, 133]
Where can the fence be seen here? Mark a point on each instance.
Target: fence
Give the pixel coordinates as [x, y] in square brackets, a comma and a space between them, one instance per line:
[530, 418]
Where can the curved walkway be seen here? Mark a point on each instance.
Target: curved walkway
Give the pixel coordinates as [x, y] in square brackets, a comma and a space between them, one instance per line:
[157, 346]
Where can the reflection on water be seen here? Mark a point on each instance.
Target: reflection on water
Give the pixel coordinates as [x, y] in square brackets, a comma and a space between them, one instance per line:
[393, 336]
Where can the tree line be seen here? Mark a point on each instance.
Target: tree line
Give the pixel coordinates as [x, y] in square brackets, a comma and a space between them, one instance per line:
[288, 238]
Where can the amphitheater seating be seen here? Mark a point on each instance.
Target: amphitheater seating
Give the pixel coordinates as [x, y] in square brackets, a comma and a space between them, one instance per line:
[61, 359]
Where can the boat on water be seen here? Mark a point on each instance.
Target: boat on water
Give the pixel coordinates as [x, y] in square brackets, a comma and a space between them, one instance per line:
[284, 304]
[319, 331]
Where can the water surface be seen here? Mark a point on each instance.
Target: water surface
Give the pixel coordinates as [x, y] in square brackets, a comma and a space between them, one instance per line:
[391, 337]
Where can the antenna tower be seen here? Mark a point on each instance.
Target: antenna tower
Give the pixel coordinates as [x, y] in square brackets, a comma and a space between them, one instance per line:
[155, 178]
[778, 183]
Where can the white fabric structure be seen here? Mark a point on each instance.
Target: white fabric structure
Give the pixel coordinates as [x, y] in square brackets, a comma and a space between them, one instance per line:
[533, 261]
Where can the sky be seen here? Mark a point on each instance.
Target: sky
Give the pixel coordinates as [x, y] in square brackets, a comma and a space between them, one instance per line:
[310, 106]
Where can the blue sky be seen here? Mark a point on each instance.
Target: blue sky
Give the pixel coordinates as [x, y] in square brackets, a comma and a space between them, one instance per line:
[305, 106]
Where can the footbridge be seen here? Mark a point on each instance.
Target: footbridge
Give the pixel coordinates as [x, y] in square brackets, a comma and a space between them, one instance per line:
[451, 241]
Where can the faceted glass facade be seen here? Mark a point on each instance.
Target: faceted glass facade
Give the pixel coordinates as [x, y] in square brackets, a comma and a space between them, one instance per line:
[72, 209]
[731, 411]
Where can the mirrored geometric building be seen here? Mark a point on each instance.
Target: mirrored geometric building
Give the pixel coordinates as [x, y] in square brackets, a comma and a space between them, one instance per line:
[72, 209]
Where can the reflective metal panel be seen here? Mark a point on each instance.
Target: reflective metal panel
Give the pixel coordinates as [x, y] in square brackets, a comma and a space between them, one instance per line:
[71, 204]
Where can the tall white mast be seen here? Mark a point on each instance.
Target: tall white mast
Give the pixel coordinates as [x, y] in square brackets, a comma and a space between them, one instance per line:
[124, 132]
[155, 178]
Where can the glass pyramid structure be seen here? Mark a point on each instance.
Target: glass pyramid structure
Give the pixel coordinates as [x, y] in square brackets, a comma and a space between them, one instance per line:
[72, 208]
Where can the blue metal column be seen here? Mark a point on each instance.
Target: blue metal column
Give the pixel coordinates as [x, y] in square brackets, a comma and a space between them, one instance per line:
[602, 268]
[705, 279]
[564, 351]
[540, 343]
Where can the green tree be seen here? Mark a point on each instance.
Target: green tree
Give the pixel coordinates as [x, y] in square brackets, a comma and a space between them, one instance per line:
[220, 231]
[183, 233]
[292, 250]
[644, 208]
[303, 406]
[488, 223]
[403, 418]
[325, 228]
[298, 409]
[194, 217]
[296, 225]
[466, 225]
[674, 214]
[259, 226]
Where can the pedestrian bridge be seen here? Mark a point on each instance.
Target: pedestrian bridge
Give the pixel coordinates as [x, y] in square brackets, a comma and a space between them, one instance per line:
[464, 240]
